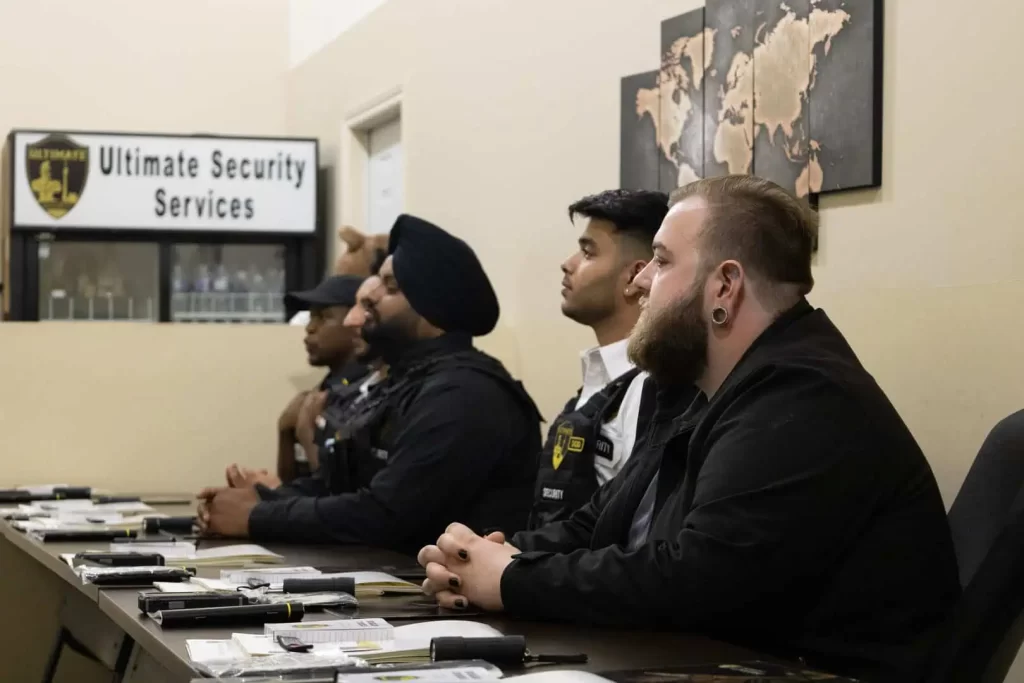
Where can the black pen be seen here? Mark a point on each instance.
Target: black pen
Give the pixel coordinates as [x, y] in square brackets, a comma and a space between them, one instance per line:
[106, 500]
[113, 535]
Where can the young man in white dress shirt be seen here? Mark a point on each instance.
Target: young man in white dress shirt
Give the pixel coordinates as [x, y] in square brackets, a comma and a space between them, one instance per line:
[591, 439]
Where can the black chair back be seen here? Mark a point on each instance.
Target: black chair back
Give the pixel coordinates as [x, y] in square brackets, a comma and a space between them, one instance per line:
[991, 494]
[985, 632]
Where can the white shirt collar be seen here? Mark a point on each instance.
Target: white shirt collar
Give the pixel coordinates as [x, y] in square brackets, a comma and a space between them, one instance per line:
[616, 360]
[602, 364]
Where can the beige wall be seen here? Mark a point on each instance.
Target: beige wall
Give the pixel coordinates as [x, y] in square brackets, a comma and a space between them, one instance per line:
[511, 112]
[187, 66]
[139, 406]
[142, 407]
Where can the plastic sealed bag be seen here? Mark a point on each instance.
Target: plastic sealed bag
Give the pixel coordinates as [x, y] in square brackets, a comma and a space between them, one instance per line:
[132, 576]
[315, 663]
[314, 600]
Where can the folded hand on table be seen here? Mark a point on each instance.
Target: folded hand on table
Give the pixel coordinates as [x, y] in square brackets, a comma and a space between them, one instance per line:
[225, 511]
[465, 568]
[241, 477]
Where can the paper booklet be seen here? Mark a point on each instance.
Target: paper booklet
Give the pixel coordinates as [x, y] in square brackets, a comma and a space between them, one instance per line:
[411, 644]
[333, 631]
[379, 583]
[255, 656]
[183, 554]
[272, 575]
[79, 515]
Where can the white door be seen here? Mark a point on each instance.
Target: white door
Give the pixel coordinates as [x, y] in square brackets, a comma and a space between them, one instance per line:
[384, 176]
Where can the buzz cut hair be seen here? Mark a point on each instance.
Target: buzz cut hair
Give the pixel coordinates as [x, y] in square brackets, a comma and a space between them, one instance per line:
[762, 226]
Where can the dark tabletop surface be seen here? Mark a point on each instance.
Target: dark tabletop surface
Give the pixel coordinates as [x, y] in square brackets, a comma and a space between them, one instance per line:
[607, 649]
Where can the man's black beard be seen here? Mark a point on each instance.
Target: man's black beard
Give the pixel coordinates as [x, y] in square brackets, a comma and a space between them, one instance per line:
[672, 344]
[388, 340]
[369, 355]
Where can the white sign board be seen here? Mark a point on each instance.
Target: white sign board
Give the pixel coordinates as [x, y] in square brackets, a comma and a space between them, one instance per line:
[164, 182]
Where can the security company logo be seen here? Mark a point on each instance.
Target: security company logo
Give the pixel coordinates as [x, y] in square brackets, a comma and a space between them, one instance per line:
[57, 168]
[565, 441]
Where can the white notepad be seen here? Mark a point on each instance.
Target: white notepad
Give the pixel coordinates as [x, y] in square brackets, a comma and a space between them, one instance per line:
[334, 631]
[208, 652]
[171, 550]
[236, 555]
[411, 643]
[271, 575]
[182, 554]
[257, 645]
[73, 504]
[461, 674]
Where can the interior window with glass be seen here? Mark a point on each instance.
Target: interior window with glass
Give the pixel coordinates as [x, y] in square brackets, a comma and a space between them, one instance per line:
[227, 283]
[98, 281]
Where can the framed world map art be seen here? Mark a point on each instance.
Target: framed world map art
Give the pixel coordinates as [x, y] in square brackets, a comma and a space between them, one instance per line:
[789, 90]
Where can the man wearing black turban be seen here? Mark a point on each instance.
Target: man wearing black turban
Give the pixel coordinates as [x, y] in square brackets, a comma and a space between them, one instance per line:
[448, 435]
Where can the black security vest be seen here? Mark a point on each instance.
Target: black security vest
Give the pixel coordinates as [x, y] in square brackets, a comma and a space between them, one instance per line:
[341, 388]
[567, 477]
[359, 434]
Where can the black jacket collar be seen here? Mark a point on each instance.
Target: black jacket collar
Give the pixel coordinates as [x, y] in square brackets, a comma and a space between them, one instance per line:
[765, 345]
[427, 349]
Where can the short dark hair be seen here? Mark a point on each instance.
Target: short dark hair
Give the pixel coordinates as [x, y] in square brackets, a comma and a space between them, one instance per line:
[764, 227]
[636, 214]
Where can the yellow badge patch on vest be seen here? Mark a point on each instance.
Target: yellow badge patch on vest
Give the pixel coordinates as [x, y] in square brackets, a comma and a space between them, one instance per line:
[565, 440]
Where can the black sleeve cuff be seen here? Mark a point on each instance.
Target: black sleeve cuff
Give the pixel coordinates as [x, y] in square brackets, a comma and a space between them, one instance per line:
[517, 595]
[266, 523]
[267, 493]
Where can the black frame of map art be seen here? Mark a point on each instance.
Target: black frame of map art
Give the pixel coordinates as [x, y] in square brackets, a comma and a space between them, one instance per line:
[818, 132]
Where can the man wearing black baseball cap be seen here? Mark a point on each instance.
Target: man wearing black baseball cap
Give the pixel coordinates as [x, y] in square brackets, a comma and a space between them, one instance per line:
[329, 343]
[448, 434]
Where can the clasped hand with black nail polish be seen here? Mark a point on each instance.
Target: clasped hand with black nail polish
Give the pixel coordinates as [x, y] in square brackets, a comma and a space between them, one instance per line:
[455, 579]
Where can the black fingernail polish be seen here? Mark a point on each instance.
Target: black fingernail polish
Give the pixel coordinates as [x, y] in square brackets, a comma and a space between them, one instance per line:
[463, 555]
[453, 582]
[460, 603]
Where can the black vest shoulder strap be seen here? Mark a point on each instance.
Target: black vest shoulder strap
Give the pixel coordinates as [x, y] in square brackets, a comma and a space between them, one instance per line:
[648, 407]
[604, 405]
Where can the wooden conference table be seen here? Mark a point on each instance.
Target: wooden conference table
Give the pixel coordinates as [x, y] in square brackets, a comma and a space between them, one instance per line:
[42, 596]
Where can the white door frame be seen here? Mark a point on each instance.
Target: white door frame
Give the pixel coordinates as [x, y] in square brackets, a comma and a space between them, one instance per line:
[354, 155]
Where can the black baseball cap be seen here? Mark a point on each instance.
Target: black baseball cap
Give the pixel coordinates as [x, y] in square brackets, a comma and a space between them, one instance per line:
[337, 290]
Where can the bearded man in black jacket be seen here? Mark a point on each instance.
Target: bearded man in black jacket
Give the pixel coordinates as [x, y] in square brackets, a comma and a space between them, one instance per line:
[787, 509]
[447, 433]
